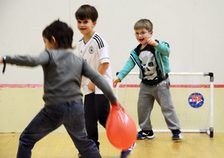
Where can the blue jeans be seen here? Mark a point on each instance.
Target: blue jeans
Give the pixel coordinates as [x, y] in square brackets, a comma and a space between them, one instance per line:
[71, 115]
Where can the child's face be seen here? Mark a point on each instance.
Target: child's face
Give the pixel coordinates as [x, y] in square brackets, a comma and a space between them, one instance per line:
[49, 44]
[142, 35]
[85, 26]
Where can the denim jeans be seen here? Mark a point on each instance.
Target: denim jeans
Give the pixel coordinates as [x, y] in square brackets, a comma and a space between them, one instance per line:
[71, 115]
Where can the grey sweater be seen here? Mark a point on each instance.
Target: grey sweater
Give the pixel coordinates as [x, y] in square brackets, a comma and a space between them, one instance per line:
[63, 71]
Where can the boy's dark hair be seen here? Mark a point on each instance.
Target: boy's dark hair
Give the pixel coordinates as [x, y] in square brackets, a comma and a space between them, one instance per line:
[144, 23]
[86, 11]
[62, 33]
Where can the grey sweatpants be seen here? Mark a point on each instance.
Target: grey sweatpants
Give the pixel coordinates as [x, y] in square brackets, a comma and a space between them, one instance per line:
[161, 93]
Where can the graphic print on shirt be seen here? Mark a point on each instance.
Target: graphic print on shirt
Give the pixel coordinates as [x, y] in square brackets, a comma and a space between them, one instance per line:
[91, 50]
[148, 63]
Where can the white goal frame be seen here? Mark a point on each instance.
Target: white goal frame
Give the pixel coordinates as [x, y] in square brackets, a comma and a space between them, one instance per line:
[210, 129]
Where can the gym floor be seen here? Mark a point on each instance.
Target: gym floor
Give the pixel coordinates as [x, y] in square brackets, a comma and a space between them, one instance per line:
[59, 145]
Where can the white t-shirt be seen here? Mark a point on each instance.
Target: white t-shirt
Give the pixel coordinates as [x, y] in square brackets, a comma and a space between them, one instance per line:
[96, 52]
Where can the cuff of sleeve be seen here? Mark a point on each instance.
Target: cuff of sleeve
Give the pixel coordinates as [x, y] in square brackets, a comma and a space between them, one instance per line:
[4, 59]
[4, 64]
[105, 60]
[119, 77]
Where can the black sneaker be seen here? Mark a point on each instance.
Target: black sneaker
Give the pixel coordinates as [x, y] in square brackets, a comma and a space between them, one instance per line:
[177, 136]
[79, 155]
[143, 134]
[125, 153]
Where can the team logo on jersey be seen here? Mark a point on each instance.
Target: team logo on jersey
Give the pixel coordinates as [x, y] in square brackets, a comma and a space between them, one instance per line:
[91, 50]
[196, 100]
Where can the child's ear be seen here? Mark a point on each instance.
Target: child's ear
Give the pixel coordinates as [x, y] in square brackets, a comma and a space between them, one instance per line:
[94, 23]
[54, 42]
[53, 39]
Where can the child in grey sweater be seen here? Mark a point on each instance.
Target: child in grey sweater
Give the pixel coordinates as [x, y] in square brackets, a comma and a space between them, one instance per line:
[62, 96]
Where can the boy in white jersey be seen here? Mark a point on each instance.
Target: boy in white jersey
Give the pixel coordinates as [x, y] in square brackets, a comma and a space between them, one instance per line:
[94, 49]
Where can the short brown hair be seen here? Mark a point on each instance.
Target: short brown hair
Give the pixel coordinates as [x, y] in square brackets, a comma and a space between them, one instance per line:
[86, 11]
[144, 23]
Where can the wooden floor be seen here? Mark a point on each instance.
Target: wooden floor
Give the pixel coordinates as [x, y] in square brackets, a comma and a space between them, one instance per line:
[59, 145]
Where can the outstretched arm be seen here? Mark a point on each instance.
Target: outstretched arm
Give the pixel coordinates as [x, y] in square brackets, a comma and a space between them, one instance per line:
[26, 60]
[130, 64]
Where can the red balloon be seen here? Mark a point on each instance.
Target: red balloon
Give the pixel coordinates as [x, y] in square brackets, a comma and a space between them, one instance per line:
[120, 128]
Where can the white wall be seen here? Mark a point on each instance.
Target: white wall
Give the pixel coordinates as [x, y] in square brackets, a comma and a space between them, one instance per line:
[194, 29]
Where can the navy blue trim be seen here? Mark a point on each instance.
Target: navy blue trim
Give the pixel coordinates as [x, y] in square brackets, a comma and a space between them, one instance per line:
[99, 41]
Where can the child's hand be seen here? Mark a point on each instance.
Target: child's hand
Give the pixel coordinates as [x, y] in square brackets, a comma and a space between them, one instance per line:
[117, 105]
[116, 81]
[152, 42]
[1, 60]
[91, 86]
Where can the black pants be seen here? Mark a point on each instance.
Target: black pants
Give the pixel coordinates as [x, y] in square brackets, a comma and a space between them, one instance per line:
[97, 108]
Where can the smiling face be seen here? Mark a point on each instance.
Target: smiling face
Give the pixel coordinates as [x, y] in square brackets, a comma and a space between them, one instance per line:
[142, 35]
[86, 26]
